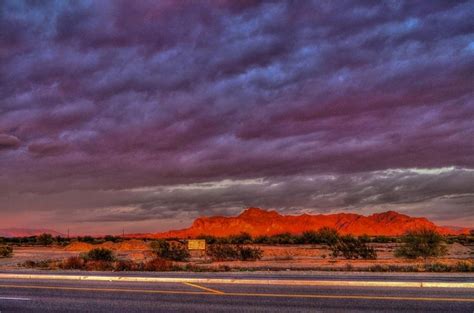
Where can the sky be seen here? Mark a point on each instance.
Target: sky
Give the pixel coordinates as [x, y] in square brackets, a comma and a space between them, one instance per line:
[144, 115]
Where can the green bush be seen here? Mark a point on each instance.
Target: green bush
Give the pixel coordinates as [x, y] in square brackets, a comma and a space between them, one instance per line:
[422, 242]
[6, 251]
[99, 254]
[351, 247]
[171, 251]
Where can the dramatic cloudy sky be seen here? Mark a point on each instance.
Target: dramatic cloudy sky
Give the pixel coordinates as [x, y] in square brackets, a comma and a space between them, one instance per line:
[146, 114]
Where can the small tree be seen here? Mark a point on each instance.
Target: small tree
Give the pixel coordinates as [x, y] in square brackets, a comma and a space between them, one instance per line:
[172, 251]
[6, 251]
[421, 242]
[45, 239]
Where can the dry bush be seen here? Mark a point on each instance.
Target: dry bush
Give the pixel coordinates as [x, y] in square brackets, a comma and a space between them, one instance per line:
[6, 252]
[127, 265]
[99, 266]
[158, 265]
[73, 263]
[224, 252]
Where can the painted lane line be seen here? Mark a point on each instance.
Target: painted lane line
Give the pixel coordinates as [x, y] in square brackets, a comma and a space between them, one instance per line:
[279, 282]
[204, 288]
[106, 289]
[15, 298]
[244, 294]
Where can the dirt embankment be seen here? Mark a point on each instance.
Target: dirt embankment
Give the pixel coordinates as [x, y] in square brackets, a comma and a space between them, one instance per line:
[129, 245]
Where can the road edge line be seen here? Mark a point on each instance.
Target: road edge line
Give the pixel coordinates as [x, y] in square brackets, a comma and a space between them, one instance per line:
[286, 282]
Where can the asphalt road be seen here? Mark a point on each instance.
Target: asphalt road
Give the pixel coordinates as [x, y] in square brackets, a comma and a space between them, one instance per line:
[25, 295]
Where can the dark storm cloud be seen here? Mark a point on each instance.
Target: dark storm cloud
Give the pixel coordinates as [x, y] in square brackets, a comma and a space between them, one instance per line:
[112, 96]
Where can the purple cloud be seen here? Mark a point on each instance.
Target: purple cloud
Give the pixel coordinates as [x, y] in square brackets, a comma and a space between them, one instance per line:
[109, 96]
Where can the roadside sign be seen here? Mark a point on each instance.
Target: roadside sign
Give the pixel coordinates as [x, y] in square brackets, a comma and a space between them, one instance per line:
[197, 244]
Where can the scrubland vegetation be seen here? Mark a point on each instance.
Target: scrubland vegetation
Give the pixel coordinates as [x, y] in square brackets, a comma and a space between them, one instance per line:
[424, 245]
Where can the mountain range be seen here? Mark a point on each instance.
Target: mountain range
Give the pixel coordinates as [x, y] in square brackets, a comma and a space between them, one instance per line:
[258, 222]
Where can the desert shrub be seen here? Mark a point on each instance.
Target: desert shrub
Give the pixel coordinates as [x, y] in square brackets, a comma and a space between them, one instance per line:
[172, 251]
[6, 251]
[44, 264]
[351, 247]
[364, 238]
[113, 239]
[262, 239]
[45, 239]
[208, 238]
[464, 266]
[241, 238]
[437, 267]
[99, 265]
[86, 239]
[126, 265]
[157, 265]
[310, 237]
[73, 263]
[328, 236]
[99, 254]
[381, 239]
[249, 253]
[283, 239]
[220, 252]
[422, 242]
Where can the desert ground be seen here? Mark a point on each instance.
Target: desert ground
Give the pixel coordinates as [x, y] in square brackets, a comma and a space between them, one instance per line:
[275, 257]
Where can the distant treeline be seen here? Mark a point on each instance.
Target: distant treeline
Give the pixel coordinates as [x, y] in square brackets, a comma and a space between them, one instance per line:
[48, 240]
[324, 236]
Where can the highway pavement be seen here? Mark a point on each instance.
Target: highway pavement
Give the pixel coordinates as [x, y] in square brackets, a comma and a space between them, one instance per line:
[48, 295]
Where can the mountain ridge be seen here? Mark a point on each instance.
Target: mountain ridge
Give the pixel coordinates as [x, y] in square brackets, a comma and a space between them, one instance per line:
[258, 222]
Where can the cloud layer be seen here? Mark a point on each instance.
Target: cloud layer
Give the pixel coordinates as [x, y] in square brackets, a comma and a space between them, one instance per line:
[107, 110]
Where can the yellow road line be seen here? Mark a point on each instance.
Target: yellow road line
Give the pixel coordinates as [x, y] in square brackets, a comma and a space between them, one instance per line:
[243, 294]
[277, 295]
[204, 288]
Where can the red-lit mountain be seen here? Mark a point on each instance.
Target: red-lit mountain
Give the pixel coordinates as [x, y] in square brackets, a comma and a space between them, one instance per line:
[26, 232]
[259, 222]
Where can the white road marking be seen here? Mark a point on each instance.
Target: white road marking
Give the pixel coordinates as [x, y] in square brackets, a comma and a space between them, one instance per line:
[15, 298]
